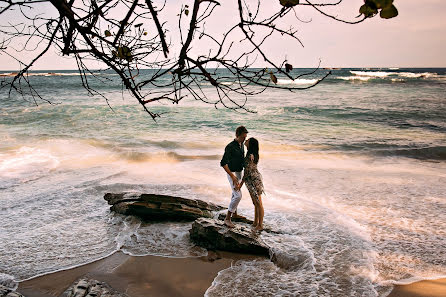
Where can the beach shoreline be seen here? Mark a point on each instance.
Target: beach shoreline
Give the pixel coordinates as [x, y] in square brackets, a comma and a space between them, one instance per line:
[140, 276]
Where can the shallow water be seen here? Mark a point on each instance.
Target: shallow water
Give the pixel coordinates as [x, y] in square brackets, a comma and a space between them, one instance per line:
[354, 172]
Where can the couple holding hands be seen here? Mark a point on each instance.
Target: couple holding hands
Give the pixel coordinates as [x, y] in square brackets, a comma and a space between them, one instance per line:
[233, 162]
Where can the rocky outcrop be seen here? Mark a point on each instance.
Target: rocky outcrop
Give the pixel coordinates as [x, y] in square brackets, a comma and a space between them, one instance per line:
[7, 292]
[160, 207]
[91, 288]
[213, 234]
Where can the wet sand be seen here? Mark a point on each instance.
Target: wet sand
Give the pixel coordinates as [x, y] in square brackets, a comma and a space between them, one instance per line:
[428, 288]
[182, 277]
[140, 276]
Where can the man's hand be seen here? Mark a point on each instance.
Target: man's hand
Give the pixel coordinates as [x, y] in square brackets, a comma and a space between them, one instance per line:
[235, 182]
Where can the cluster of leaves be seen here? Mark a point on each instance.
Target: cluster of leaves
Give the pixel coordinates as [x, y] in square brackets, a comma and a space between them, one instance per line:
[385, 8]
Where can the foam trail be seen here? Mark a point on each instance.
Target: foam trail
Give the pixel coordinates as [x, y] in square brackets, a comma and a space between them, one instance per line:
[8, 281]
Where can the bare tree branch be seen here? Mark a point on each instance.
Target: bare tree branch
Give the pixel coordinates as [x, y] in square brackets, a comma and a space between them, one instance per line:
[129, 35]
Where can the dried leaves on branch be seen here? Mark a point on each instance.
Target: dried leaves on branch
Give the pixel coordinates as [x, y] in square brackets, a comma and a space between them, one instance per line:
[128, 35]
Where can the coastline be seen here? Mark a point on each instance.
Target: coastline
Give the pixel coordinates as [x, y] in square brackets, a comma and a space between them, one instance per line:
[140, 276]
[163, 276]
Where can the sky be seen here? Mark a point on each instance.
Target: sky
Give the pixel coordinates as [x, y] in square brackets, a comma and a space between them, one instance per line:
[415, 38]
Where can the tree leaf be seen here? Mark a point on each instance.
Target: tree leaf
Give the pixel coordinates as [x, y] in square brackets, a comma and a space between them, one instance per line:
[273, 77]
[107, 33]
[288, 67]
[389, 12]
[186, 12]
[124, 52]
[383, 3]
[368, 11]
[289, 3]
[145, 33]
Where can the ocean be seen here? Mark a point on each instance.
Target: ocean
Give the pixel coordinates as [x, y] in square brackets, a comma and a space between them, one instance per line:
[354, 172]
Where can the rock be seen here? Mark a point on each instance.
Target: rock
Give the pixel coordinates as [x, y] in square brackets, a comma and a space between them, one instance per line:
[91, 288]
[7, 292]
[160, 207]
[213, 234]
[239, 218]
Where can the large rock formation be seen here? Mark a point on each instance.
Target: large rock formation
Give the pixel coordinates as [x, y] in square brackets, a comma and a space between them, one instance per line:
[6, 292]
[213, 234]
[91, 288]
[160, 207]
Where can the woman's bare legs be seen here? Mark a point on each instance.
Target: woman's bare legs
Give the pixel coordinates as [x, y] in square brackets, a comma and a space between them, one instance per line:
[256, 216]
[259, 213]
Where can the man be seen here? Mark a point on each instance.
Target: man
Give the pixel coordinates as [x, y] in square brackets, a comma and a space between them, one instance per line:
[232, 163]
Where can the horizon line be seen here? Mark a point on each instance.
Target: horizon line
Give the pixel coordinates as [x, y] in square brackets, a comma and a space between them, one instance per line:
[321, 68]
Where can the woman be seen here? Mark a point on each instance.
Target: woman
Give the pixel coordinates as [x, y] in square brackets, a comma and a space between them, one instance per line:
[253, 181]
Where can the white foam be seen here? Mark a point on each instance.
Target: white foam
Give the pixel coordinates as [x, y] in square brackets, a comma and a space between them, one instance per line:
[27, 163]
[299, 81]
[160, 239]
[383, 74]
[380, 74]
[8, 281]
[417, 75]
[360, 78]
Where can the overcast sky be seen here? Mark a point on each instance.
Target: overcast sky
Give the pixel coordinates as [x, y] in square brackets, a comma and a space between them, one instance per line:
[416, 38]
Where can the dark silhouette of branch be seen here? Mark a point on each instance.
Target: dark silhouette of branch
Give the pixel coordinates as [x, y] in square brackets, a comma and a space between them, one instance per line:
[158, 27]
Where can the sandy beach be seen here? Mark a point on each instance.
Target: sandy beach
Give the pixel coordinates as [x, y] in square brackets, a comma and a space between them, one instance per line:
[140, 276]
[162, 276]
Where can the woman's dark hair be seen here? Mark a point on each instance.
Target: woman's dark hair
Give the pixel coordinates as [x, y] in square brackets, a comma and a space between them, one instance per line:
[253, 148]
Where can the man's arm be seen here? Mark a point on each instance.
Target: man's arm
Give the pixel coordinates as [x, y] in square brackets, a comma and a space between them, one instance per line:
[224, 163]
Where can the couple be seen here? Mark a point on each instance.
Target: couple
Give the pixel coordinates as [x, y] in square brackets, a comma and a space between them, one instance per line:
[233, 162]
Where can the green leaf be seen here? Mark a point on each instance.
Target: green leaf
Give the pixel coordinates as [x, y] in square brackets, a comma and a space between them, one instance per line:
[107, 33]
[389, 12]
[186, 12]
[289, 3]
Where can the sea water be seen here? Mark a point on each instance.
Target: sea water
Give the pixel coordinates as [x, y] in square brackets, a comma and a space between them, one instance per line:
[354, 172]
